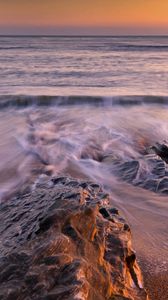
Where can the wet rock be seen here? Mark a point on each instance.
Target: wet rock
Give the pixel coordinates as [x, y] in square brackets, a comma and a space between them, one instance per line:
[125, 170]
[148, 172]
[159, 169]
[65, 243]
[163, 185]
[128, 170]
[150, 184]
[161, 150]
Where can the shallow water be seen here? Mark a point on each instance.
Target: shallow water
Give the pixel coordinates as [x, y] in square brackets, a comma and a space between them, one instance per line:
[86, 141]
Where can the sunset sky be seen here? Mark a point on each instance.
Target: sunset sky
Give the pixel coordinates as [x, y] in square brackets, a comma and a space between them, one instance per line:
[84, 17]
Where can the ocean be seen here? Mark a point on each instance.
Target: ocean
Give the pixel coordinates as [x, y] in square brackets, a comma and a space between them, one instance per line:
[90, 107]
[103, 66]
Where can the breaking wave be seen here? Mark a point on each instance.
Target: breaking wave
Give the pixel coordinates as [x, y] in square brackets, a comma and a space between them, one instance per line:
[21, 101]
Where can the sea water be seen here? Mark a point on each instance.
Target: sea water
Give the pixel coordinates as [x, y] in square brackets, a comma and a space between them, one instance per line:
[84, 65]
[74, 106]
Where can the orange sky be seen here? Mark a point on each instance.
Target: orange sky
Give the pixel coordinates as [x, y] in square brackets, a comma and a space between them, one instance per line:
[112, 14]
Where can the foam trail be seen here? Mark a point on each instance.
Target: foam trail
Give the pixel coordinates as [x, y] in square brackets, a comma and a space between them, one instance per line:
[100, 141]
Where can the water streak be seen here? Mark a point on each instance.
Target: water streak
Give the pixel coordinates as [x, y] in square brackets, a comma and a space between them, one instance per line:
[90, 141]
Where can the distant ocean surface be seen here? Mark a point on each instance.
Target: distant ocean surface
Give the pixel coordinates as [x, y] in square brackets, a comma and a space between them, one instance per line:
[84, 65]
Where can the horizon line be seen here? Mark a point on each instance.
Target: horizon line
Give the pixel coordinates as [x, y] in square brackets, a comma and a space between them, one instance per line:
[84, 35]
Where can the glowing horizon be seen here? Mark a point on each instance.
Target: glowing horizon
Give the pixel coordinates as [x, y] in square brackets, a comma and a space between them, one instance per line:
[111, 16]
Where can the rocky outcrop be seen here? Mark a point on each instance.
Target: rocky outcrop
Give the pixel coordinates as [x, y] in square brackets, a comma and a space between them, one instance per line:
[64, 241]
[148, 171]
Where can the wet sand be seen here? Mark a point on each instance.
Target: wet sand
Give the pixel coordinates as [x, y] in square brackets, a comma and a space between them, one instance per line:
[146, 213]
[156, 284]
[154, 266]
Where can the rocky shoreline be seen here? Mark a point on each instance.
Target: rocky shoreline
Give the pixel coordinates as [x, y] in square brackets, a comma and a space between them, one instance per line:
[63, 240]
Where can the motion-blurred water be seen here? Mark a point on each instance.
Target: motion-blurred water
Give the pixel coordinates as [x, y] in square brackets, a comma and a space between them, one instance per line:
[45, 130]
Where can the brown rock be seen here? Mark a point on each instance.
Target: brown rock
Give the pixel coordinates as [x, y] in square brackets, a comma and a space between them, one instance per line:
[61, 242]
